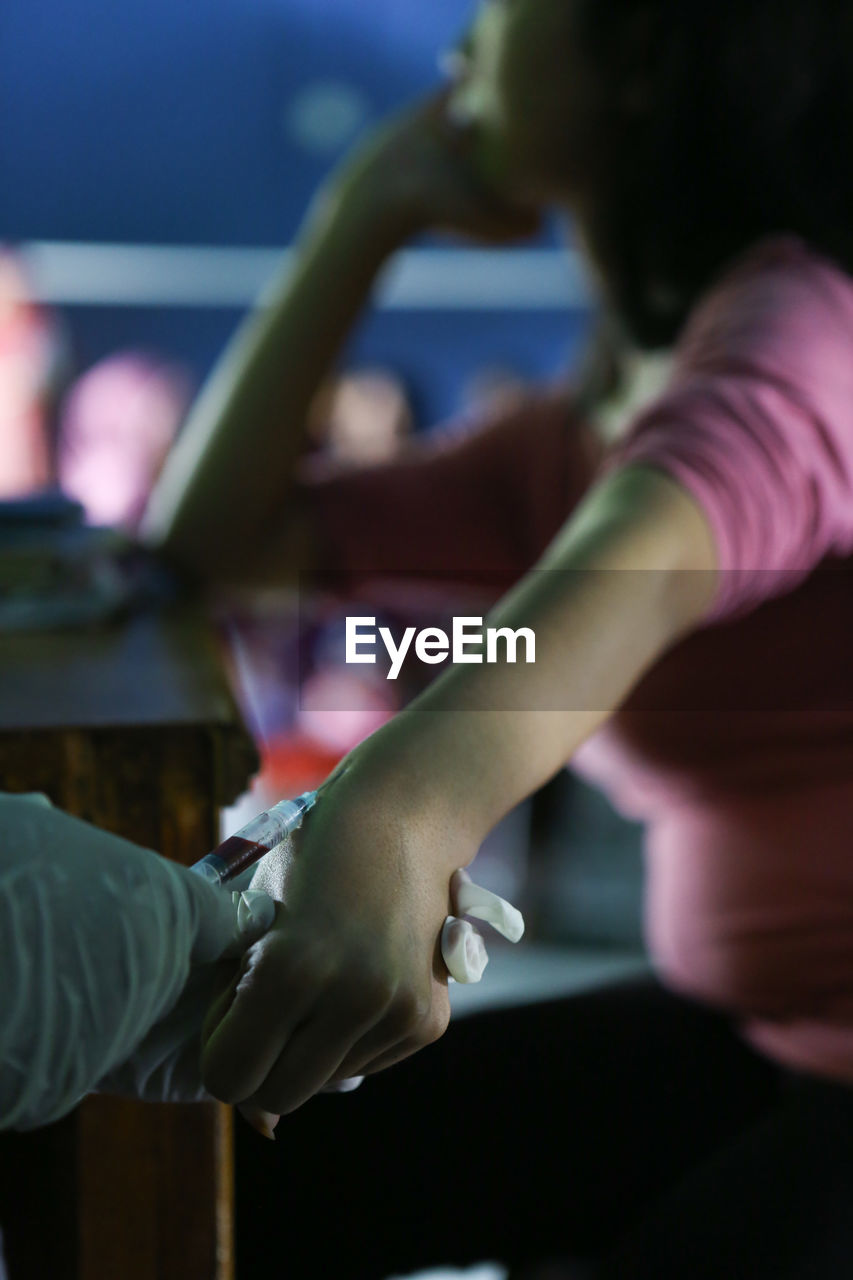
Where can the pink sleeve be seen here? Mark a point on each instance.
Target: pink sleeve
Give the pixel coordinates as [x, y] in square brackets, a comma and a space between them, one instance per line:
[474, 507]
[758, 421]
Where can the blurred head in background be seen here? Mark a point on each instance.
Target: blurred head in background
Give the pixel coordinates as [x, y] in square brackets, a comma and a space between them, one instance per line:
[116, 427]
[362, 417]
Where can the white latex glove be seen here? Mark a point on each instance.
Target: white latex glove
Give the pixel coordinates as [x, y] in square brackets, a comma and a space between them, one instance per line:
[462, 946]
[164, 1066]
[98, 938]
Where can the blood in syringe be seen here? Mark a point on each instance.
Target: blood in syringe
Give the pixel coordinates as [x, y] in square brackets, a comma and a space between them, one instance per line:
[239, 854]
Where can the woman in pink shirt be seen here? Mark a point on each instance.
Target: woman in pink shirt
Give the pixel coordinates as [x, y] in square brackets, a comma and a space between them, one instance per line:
[689, 591]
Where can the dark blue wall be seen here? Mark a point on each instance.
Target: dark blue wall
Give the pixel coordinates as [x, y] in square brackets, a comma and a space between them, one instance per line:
[165, 122]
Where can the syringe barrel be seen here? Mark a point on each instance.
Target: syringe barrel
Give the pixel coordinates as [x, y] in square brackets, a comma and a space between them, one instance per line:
[271, 827]
[211, 868]
[265, 832]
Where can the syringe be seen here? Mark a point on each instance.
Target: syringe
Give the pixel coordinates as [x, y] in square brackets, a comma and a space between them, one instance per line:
[248, 845]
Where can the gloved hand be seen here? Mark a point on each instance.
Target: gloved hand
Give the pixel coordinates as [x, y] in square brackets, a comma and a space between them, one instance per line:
[164, 1067]
[107, 954]
[462, 946]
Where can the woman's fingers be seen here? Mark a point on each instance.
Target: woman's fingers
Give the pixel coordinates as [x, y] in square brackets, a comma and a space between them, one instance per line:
[310, 1059]
[391, 1057]
[345, 1028]
[411, 1027]
[292, 1021]
[385, 1045]
[247, 1028]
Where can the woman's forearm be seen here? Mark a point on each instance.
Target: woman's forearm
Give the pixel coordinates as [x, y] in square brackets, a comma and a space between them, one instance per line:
[627, 576]
[235, 456]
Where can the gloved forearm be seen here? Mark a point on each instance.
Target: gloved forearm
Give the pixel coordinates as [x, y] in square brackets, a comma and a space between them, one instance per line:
[97, 939]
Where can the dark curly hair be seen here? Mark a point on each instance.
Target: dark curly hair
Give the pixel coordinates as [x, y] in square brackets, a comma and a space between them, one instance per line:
[719, 122]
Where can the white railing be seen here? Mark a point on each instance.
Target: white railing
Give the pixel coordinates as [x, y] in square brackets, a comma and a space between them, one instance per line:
[117, 275]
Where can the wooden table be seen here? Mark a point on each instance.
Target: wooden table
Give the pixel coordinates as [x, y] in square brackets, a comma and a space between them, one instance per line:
[131, 727]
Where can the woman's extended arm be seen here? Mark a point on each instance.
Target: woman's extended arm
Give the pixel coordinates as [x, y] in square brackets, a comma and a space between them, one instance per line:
[629, 574]
[229, 474]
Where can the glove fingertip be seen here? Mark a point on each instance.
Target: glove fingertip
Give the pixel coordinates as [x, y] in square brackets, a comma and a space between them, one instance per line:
[464, 950]
[255, 911]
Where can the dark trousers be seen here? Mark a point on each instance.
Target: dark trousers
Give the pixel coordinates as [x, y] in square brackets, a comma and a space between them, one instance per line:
[625, 1128]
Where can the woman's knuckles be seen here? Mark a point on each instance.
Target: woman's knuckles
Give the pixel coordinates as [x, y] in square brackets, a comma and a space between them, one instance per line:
[369, 993]
[408, 1013]
[438, 1021]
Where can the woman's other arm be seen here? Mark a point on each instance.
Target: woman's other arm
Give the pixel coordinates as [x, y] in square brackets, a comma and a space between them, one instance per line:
[232, 467]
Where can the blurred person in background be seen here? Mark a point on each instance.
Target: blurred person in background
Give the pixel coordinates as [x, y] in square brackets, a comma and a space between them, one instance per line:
[116, 426]
[30, 364]
[363, 416]
[492, 388]
[102, 438]
[691, 604]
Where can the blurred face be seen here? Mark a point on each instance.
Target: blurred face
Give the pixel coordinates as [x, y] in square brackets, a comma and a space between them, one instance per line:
[520, 79]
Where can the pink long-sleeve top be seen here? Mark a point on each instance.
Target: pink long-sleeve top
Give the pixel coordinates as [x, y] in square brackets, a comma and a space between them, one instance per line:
[736, 749]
